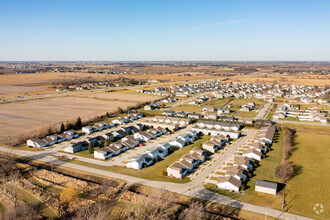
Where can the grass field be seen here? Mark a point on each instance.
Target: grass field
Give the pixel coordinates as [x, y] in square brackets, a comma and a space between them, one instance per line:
[237, 103]
[307, 106]
[188, 108]
[216, 103]
[308, 128]
[151, 112]
[310, 160]
[310, 186]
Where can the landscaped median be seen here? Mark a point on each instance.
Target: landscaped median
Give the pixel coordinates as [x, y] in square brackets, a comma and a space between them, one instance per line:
[155, 172]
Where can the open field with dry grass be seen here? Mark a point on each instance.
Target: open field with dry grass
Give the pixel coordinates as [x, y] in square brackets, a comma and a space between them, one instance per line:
[113, 96]
[21, 117]
[301, 79]
[42, 77]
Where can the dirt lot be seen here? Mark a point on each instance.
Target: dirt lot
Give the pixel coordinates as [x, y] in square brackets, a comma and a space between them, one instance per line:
[17, 118]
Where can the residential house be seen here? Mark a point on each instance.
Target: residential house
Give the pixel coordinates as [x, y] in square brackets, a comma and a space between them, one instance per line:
[168, 113]
[244, 162]
[88, 129]
[194, 115]
[36, 142]
[210, 115]
[138, 162]
[209, 109]
[229, 183]
[75, 147]
[238, 172]
[129, 142]
[253, 154]
[143, 136]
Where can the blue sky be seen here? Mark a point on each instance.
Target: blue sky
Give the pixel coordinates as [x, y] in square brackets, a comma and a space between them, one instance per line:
[123, 30]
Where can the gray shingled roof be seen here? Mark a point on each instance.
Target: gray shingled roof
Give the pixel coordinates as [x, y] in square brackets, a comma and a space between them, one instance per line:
[267, 184]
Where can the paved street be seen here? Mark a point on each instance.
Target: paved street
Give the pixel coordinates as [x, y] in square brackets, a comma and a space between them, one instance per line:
[194, 188]
[125, 156]
[262, 111]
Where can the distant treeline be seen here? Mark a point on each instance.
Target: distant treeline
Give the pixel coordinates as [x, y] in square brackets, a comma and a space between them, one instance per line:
[80, 81]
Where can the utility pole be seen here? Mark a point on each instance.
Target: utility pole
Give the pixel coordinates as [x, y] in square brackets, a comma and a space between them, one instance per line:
[283, 200]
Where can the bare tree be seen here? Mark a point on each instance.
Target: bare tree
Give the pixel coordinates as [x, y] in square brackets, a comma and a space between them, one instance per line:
[156, 206]
[96, 211]
[196, 211]
[10, 190]
[285, 170]
[23, 211]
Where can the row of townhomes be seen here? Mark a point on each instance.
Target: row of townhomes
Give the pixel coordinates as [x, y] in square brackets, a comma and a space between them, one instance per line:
[248, 107]
[172, 120]
[243, 166]
[182, 114]
[187, 164]
[206, 114]
[152, 155]
[315, 113]
[128, 142]
[218, 128]
[52, 139]
[215, 143]
[105, 125]
[267, 92]
[121, 132]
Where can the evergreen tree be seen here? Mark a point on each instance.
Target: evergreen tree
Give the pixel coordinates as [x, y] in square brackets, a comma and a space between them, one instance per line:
[120, 110]
[107, 142]
[107, 115]
[62, 128]
[78, 123]
[101, 143]
[90, 148]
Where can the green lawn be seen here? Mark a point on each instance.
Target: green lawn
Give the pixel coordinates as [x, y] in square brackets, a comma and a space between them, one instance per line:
[216, 103]
[153, 172]
[309, 128]
[289, 119]
[310, 158]
[263, 172]
[151, 112]
[307, 106]
[188, 108]
[237, 103]
[269, 115]
[86, 153]
[250, 114]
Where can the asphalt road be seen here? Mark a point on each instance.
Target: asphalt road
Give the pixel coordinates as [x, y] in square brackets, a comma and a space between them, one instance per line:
[194, 188]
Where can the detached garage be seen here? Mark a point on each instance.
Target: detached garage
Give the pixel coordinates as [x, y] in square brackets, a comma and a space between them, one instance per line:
[266, 186]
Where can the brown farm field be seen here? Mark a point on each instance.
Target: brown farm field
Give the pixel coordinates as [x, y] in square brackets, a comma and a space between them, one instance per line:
[25, 116]
[42, 77]
[302, 79]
